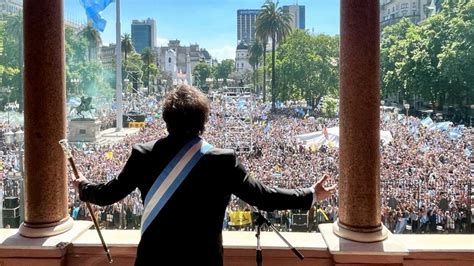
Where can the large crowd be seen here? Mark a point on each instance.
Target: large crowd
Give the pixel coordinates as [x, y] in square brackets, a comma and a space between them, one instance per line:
[425, 174]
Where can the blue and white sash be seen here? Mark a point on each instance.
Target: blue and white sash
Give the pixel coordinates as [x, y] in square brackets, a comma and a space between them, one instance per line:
[171, 177]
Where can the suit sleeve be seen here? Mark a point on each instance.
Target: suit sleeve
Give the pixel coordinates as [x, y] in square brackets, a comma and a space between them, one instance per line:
[117, 188]
[266, 198]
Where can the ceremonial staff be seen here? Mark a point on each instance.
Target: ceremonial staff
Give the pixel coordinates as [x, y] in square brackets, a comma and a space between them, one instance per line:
[67, 152]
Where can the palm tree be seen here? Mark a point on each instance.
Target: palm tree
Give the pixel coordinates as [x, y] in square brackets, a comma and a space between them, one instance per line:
[273, 22]
[148, 57]
[127, 46]
[255, 53]
[92, 36]
[262, 37]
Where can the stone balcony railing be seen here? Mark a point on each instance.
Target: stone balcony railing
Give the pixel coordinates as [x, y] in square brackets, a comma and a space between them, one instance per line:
[81, 246]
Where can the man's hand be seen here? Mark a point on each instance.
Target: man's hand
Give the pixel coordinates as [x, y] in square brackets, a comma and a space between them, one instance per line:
[321, 191]
[76, 182]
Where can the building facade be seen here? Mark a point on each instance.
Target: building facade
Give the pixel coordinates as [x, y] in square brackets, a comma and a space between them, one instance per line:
[298, 16]
[9, 7]
[107, 55]
[179, 61]
[246, 24]
[143, 34]
[392, 11]
[242, 58]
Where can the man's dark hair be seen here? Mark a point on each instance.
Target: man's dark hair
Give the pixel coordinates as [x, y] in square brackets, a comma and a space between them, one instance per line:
[185, 110]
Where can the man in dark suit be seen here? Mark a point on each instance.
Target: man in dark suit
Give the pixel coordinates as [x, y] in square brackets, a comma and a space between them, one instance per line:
[190, 222]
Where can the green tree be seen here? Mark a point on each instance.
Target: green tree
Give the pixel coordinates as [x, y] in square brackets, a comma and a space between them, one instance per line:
[223, 70]
[7, 73]
[134, 70]
[307, 67]
[418, 69]
[93, 38]
[456, 59]
[201, 72]
[432, 60]
[75, 50]
[12, 55]
[273, 22]
[153, 71]
[93, 79]
[393, 52]
[255, 52]
[262, 34]
[329, 108]
[148, 57]
[127, 46]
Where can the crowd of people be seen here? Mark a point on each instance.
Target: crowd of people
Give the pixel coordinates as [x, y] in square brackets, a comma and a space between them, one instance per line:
[425, 174]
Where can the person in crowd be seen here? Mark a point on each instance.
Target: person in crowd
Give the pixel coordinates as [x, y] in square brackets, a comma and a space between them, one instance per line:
[216, 175]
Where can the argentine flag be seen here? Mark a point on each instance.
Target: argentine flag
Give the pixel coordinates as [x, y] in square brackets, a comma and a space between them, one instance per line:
[93, 9]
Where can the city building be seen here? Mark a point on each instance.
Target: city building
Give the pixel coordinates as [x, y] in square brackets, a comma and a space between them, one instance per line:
[107, 55]
[298, 16]
[391, 11]
[143, 34]
[246, 24]
[8, 7]
[76, 26]
[179, 61]
[242, 58]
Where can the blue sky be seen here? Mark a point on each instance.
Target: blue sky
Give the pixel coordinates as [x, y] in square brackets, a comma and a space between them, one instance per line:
[209, 23]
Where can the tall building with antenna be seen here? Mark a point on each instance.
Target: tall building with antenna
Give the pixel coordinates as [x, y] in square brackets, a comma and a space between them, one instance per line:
[246, 25]
[144, 34]
[298, 16]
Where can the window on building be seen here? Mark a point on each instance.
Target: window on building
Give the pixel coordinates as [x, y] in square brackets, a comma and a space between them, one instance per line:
[169, 60]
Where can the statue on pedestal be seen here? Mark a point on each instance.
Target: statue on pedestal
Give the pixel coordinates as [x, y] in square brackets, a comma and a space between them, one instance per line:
[84, 110]
[83, 126]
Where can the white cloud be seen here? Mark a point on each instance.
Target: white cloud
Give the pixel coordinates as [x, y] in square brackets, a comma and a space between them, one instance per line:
[224, 52]
[161, 41]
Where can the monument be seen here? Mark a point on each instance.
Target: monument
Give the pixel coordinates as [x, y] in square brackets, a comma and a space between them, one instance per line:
[84, 127]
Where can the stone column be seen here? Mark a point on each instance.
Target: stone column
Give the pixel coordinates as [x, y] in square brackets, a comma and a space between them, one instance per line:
[359, 184]
[46, 190]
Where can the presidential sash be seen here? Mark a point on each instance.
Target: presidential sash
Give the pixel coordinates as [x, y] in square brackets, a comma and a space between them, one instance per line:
[171, 178]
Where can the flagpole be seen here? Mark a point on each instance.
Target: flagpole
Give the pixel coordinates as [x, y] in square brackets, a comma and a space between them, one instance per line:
[118, 53]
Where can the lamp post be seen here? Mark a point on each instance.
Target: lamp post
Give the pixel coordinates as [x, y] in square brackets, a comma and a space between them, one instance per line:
[407, 107]
[469, 206]
[9, 136]
[7, 91]
[125, 86]
[420, 183]
[164, 83]
[75, 82]
[19, 138]
[11, 107]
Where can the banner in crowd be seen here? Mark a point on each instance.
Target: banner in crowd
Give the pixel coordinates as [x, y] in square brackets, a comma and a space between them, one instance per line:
[238, 218]
[330, 138]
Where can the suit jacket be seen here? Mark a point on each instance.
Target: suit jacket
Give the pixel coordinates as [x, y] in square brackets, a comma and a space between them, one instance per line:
[191, 221]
